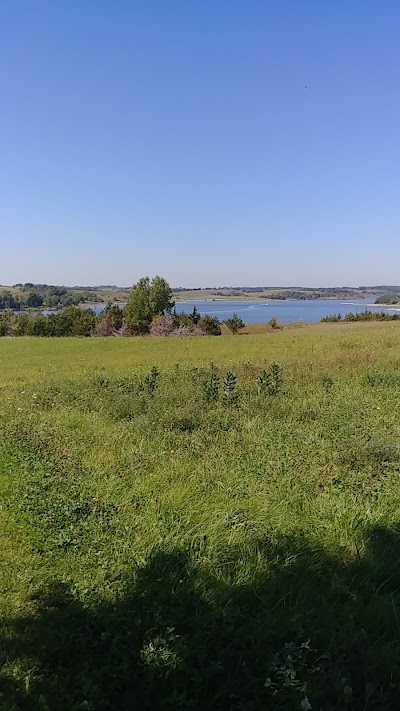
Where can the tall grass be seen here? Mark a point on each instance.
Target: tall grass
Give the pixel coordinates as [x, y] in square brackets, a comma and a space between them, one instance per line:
[164, 548]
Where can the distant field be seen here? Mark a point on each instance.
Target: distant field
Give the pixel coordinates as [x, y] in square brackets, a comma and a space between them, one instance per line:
[224, 295]
[162, 549]
[227, 294]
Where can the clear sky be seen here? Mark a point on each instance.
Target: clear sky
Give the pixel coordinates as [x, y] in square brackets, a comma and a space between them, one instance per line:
[212, 141]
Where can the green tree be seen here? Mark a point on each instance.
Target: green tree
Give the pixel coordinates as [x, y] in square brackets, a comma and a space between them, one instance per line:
[33, 300]
[195, 316]
[8, 301]
[39, 326]
[22, 325]
[234, 323]
[6, 323]
[111, 320]
[160, 296]
[182, 320]
[73, 321]
[138, 312]
[147, 300]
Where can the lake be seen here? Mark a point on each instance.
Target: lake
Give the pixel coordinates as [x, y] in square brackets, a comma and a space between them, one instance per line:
[285, 311]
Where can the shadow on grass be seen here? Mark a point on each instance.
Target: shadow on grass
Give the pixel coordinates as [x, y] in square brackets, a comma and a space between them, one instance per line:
[314, 624]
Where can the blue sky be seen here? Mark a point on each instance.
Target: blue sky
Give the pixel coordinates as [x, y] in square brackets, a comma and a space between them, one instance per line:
[178, 138]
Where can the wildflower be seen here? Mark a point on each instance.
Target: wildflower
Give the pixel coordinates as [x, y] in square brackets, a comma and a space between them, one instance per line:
[19, 409]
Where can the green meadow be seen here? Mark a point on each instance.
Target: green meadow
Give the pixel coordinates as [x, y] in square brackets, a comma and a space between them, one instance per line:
[201, 523]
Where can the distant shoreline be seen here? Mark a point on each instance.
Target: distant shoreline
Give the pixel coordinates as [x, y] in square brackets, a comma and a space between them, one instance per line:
[257, 301]
[390, 307]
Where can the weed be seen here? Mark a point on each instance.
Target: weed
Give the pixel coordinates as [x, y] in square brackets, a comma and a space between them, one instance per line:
[289, 667]
[211, 385]
[150, 382]
[327, 383]
[230, 391]
[270, 381]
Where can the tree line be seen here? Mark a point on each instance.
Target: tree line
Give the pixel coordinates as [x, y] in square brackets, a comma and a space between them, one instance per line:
[387, 299]
[36, 296]
[362, 316]
[150, 310]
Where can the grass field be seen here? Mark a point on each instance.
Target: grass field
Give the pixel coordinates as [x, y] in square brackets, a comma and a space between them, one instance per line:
[161, 549]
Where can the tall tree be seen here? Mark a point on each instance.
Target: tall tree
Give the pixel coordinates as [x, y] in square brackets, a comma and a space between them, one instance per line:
[147, 299]
[137, 312]
[195, 316]
[160, 296]
[34, 300]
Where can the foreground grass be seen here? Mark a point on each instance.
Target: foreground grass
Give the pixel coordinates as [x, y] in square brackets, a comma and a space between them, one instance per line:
[159, 551]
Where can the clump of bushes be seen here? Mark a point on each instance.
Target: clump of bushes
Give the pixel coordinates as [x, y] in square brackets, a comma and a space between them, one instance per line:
[148, 311]
[72, 321]
[77, 321]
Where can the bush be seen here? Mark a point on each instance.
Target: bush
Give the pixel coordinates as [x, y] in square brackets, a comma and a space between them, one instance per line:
[210, 325]
[22, 325]
[111, 320]
[162, 326]
[273, 322]
[234, 323]
[6, 323]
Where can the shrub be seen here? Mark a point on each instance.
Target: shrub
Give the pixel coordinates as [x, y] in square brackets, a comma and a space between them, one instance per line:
[234, 323]
[162, 326]
[6, 323]
[111, 320]
[273, 322]
[182, 320]
[210, 325]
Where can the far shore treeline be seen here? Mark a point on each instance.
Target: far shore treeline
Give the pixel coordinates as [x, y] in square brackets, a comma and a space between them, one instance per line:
[37, 296]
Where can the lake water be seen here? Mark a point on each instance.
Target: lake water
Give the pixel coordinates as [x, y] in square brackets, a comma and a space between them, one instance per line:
[285, 311]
